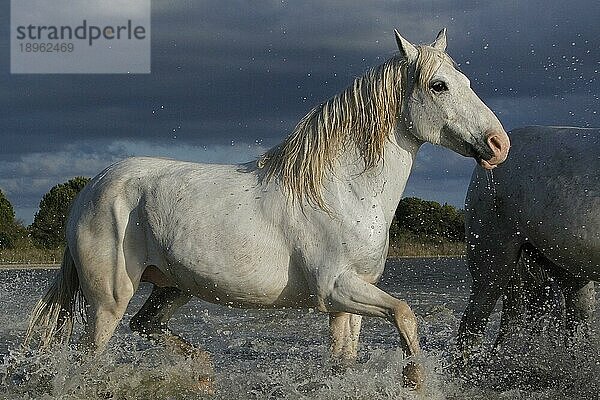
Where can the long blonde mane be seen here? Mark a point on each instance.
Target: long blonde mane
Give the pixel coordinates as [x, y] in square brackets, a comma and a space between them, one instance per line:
[364, 115]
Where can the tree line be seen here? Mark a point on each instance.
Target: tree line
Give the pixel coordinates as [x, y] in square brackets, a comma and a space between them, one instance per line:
[428, 221]
[415, 219]
[48, 228]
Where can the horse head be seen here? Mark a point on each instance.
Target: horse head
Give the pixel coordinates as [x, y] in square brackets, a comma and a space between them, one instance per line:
[440, 107]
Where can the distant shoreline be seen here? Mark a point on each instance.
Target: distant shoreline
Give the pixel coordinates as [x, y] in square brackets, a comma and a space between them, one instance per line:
[57, 266]
[29, 266]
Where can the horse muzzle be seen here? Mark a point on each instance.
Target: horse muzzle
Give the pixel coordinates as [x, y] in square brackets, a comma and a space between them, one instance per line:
[499, 143]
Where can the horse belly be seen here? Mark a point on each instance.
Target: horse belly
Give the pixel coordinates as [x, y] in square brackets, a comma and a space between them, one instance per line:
[575, 250]
[248, 266]
[563, 222]
[248, 286]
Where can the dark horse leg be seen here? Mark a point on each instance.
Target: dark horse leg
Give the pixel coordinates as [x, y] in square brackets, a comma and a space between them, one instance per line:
[152, 321]
[578, 293]
[492, 263]
[160, 306]
[531, 294]
[534, 292]
[580, 303]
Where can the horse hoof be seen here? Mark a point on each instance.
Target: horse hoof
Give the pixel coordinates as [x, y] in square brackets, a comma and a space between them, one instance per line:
[413, 376]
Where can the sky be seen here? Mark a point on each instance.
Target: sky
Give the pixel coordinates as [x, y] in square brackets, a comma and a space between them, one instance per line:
[230, 79]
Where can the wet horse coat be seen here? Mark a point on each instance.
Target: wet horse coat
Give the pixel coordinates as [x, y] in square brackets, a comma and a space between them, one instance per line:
[305, 226]
[544, 200]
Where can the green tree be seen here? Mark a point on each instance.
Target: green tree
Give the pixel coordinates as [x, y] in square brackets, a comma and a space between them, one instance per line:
[7, 223]
[453, 223]
[429, 219]
[48, 227]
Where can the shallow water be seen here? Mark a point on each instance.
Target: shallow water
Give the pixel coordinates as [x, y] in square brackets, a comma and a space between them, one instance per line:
[283, 354]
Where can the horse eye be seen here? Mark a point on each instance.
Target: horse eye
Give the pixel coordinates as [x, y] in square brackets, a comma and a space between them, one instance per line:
[439, 86]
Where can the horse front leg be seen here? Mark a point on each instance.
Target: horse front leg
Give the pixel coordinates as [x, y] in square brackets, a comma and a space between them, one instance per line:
[492, 263]
[345, 331]
[475, 319]
[488, 285]
[351, 294]
[512, 311]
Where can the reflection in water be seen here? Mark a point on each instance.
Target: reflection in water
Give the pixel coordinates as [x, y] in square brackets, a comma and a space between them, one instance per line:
[283, 354]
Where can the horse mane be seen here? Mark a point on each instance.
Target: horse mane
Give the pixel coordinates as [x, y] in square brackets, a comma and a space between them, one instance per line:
[364, 115]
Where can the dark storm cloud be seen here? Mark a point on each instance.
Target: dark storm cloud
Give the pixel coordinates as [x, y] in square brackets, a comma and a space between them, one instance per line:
[244, 73]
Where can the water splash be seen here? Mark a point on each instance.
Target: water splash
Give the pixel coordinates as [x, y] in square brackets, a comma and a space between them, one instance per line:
[491, 187]
[283, 355]
[125, 371]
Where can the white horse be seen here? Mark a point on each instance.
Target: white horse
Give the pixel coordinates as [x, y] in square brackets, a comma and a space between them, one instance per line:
[543, 204]
[304, 226]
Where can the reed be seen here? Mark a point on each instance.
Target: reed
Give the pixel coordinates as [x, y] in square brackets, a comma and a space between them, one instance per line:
[425, 246]
[26, 253]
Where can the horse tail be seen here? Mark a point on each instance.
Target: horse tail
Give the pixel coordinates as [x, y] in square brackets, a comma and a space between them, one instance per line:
[54, 314]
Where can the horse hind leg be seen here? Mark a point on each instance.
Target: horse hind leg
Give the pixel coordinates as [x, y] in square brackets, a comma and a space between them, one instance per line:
[109, 265]
[511, 319]
[158, 309]
[152, 321]
[578, 293]
[103, 318]
[107, 291]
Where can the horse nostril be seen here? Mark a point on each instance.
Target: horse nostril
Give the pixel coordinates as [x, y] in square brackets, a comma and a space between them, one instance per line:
[495, 144]
[499, 144]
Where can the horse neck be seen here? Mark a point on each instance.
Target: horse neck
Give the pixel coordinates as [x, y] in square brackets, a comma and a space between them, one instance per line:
[385, 182]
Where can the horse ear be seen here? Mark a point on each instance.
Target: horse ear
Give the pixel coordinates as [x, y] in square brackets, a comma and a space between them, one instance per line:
[407, 50]
[440, 41]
